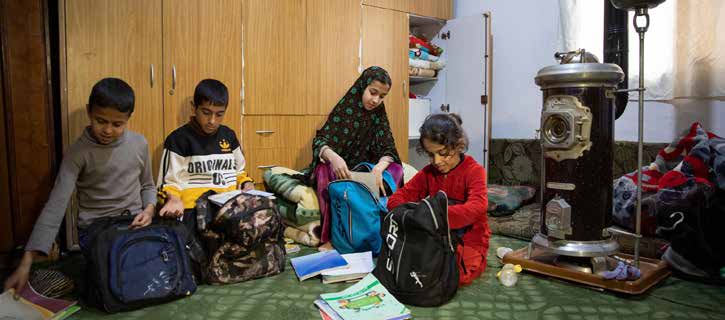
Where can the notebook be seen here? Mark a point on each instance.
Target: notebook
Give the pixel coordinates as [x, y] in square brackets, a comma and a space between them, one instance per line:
[360, 265]
[313, 264]
[365, 300]
[32, 305]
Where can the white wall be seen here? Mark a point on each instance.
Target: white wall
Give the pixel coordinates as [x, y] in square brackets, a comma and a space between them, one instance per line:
[525, 36]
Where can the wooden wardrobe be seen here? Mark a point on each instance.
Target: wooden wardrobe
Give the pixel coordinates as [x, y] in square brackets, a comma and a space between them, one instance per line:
[162, 48]
[285, 62]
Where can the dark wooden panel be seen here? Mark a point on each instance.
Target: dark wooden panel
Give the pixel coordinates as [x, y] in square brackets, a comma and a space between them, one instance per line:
[6, 220]
[28, 115]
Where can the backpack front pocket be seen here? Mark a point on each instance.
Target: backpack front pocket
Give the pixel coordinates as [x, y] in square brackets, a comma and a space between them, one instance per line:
[145, 267]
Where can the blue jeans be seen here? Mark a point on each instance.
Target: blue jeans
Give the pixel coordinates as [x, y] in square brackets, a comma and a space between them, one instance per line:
[83, 239]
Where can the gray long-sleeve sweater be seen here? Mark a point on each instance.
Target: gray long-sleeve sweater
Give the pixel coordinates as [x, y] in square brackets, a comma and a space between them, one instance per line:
[108, 180]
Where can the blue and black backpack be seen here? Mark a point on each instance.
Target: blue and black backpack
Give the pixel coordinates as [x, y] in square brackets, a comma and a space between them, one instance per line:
[130, 269]
[356, 213]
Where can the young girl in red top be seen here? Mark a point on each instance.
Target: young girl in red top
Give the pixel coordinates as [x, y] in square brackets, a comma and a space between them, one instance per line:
[464, 181]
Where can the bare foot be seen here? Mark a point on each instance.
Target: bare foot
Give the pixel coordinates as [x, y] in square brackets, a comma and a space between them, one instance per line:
[325, 247]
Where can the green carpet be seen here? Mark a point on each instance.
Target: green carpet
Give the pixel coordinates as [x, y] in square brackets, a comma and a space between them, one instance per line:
[534, 297]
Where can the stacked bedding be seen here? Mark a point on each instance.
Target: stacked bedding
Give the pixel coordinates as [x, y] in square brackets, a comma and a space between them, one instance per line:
[424, 58]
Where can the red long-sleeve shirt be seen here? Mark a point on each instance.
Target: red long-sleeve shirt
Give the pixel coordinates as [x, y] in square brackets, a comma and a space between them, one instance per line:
[466, 183]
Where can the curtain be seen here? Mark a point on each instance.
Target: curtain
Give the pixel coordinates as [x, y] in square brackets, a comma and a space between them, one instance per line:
[684, 52]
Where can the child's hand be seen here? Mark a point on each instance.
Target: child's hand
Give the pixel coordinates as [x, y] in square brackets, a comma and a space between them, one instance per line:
[142, 219]
[19, 278]
[249, 185]
[173, 208]
[338, 165]
[377, 171]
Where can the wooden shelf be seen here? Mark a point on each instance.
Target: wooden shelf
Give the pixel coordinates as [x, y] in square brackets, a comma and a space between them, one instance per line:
[418, 79]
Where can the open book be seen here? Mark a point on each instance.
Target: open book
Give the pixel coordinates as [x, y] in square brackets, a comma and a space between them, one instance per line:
[365, 300]
[221, 198]
[34, 306]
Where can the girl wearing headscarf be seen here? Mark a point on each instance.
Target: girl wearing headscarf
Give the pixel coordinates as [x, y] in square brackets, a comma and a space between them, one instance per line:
[357, 130]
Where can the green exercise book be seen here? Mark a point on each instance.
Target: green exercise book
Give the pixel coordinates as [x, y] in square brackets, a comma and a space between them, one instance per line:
[365, 300]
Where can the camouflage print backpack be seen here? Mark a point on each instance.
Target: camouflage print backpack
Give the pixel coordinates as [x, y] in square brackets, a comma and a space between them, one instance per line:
[245, 240]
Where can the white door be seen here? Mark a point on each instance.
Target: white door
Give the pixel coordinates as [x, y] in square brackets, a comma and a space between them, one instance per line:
[465, 76]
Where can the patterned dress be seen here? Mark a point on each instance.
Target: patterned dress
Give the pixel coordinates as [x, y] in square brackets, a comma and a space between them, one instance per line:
[357, 135]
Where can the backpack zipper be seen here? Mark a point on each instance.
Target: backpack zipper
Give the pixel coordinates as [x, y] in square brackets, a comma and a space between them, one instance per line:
[432, 214]
[447, 223]
[435, 221]
[349, 214]
[349, 209]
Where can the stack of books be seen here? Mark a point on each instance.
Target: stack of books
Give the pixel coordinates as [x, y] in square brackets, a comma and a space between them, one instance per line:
[314, 264]
[32, 305]
[365, 300]
[359, 265]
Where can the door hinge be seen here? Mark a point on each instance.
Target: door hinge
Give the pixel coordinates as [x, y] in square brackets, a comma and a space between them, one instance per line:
[484, 99]
[446, 35]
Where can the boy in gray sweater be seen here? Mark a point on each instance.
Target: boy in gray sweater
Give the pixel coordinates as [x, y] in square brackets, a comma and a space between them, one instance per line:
[108, 166]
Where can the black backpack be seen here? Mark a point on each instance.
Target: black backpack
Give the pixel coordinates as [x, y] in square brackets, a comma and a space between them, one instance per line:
[130, 269]
[417, 262]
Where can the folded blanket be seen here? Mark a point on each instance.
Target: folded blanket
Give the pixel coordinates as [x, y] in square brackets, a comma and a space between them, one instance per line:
[420, 72]
[420, 54]
[308, 234]
[423, 64]
[279, 180]
[415, 42]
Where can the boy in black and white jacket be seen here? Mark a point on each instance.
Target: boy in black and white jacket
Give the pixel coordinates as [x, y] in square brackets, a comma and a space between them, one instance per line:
[201, 155]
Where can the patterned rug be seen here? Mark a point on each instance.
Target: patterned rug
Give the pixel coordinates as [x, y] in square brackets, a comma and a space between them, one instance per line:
[534, 297]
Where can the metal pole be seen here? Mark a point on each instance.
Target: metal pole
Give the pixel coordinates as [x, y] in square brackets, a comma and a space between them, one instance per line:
[640, 138]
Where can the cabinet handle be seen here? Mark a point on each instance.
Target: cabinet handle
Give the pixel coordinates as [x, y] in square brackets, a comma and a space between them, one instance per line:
[264, 131]
[152, 75]
[173, 77]
[266, 167]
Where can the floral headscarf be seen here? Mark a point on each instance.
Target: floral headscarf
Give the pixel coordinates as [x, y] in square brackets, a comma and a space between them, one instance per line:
[355, 133]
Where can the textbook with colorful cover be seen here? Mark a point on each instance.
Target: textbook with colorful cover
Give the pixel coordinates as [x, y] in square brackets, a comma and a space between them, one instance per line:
[360, 265]
[365, 300]
[313, 264]
[32, 305]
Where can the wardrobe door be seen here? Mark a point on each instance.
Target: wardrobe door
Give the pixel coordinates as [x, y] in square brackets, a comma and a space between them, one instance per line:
[399, 5]
[441, 9]
[109, 38]
[202, 39]
[333, 51]
[276, 140]
[275, 57]
[385, 39]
